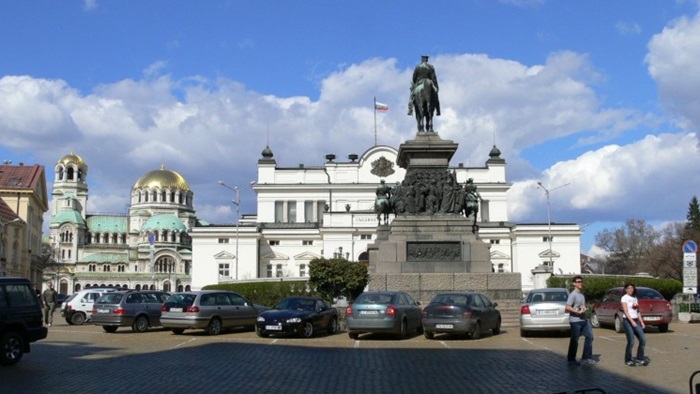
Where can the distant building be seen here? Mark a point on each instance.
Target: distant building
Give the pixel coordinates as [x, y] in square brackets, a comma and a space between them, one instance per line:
[306, 212]
[23, 202]
[148, 247]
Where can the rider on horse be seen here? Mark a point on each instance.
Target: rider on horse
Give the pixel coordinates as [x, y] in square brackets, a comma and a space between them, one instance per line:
[424, 70]
[382, 204]
[472, 199]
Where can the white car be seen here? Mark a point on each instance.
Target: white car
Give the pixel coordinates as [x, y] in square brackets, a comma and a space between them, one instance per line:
[77, 309]
[544, 310]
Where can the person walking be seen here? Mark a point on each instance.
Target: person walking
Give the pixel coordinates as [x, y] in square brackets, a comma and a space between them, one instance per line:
[576, 306]
[634, 326]
[50, 297]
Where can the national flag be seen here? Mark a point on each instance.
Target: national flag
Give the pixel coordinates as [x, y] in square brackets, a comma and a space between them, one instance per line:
[380, 106]
[151, 239]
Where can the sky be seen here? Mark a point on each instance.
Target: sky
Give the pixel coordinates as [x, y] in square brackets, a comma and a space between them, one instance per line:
[597, 100]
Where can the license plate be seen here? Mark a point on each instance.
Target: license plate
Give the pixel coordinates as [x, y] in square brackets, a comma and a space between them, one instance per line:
[103, 311]
[369, 312]
[444, 326]
[547, 312]
[652, 318]
[273, 328]
[175, 309]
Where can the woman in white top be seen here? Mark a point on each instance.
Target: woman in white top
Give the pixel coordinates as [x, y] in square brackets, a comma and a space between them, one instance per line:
[634, 326]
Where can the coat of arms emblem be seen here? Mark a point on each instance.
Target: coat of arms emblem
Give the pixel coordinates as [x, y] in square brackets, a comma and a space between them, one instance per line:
[382, 167]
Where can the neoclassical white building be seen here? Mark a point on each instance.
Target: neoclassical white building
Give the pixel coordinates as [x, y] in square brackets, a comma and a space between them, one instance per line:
[307, 212]
[149, 247]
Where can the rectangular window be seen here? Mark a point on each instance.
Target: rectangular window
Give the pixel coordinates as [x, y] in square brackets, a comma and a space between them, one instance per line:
[320, 208]
[307, 242]
[269, 271]
[495, 241]
[223, 240]
[302, 270]
[546, 239]
[279, 270]
[308, 211]
[274, 242]
[500, 267]
[224, 269]
[365, 236]
[279, 211]
[291, 211]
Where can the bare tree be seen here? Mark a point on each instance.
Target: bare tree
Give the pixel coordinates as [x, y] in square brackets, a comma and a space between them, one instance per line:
[628, 247]
[666, 258]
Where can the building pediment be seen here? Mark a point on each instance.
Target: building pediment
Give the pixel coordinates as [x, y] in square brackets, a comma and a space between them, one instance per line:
[496, 255]
[546, 254]
[307, 256]
[275, 256]
[224, 256]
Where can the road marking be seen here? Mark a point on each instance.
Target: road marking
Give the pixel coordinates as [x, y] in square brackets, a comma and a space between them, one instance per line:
[356, 345]
[184, 343]
[274, 341]
[536, 345]
[445, 345]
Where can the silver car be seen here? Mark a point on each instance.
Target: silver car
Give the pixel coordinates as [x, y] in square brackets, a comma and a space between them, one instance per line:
[383, 312]
[136, 309]
[211, 310]
[544, 310]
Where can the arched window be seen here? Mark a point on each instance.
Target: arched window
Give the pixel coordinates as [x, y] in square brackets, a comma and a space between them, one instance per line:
[71, 172]
[105, 268]
[166, 286]
[138, 287]
[165, 264]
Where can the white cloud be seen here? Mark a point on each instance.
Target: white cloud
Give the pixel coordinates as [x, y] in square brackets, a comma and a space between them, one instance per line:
[628, 28]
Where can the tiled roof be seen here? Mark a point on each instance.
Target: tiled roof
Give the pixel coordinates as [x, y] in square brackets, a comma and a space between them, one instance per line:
[6, 213]
[20, 177]
[107, 224]
[67, 216]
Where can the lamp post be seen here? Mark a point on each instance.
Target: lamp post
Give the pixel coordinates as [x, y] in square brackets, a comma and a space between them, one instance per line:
[3, 259]
[236, 202]
[549, 218]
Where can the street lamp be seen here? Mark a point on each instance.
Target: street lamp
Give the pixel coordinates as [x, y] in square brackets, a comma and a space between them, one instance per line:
[549, 218]
[3, 259]
[237, 202]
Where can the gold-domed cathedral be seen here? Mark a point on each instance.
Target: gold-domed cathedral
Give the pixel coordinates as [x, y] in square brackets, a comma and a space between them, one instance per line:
[146, 248]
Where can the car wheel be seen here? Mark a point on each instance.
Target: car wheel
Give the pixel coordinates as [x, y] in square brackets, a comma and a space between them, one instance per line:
[477, 331]
[618, 324]
[70, 323]
[404, 330]
[497, 330]
[663, 327]
[78, 319]
[353, 335]
[177, 331]
[308, 330]
[333, 328]
[140, 324]
[11, 348]
[261, 333]
[428, 334]
[214, 327]
[110, 329]
[594, 321]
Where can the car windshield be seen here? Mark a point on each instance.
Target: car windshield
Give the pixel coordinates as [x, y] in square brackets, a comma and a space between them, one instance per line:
[649, 294]
[546, 296]
[301, 304]
[110, 298]
[452, 299]
[374, 298]
[181, 299]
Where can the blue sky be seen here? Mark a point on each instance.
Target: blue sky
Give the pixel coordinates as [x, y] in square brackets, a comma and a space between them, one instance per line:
[602, 95]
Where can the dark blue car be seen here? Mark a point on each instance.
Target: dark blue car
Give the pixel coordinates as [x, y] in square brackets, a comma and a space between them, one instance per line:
[301, 316]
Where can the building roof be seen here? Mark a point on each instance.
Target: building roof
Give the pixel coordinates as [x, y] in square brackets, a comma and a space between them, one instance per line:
[6, 213]
[164, 222]
[24, 178]
[107, 223]
[69, 216]
[72, 159]
[162, 179]
[105, 257]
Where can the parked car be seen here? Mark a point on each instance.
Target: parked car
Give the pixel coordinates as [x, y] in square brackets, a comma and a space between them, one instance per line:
[136, 309]
[61, 298]
[545, 310]
[464, 313]
[211, 310]
[20, 319]
[656, 311]
[299, 316]
[77, 309]
[383, 312]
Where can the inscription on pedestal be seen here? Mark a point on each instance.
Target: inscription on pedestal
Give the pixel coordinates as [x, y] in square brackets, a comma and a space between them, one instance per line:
[433, 251]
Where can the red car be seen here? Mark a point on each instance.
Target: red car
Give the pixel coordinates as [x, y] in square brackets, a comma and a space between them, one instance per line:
[656, 311]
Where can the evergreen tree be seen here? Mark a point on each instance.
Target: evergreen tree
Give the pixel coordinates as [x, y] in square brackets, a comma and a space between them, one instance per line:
[693, 217]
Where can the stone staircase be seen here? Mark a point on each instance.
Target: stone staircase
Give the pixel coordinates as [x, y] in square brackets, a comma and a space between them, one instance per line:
[510, 312]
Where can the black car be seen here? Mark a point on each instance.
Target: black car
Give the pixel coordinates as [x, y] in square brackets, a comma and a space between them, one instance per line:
[20, 319]
[464, 313]
[301, 316]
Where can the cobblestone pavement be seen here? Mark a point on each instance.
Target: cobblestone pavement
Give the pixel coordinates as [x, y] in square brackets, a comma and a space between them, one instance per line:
[84, 359]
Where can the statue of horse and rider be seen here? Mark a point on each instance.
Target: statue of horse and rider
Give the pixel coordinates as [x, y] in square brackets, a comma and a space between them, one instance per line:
[382, 203]
[471, 205]
[424, 95]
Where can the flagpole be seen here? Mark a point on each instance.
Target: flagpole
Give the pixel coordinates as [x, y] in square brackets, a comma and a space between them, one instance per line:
[375, 121]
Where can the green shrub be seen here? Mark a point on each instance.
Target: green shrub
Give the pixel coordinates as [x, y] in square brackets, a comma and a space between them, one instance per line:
[266, 293]
[683, 307]
[595, 286]
[331, 278]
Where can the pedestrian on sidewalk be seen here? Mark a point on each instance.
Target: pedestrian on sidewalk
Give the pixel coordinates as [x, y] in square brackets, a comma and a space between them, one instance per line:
[634, 326]
[576, 306]
[50, 297]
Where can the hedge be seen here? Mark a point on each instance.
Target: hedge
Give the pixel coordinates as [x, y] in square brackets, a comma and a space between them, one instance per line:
[266, 293]
[595, 286]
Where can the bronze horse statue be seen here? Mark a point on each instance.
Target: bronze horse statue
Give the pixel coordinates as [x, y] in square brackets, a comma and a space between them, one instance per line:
[383, 208]
[424, 102]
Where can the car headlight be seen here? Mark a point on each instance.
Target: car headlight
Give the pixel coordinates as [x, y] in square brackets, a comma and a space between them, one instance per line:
[261, 319]
[294, 320]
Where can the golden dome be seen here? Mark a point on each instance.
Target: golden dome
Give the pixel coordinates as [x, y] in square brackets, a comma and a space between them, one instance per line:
[162, 179]
[72, 158]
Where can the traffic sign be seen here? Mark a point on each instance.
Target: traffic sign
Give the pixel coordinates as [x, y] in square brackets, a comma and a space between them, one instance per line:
[690, 246]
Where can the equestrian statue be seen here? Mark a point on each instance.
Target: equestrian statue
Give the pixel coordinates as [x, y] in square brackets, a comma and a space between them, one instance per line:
[424, 95]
